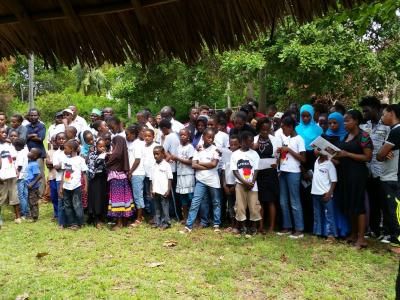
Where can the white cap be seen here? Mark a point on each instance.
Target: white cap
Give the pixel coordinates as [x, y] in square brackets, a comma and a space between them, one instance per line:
[67, 110]
[278, 115]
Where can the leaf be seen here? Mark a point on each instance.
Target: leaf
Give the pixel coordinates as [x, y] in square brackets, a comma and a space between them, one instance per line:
[24, 296]
[41, 254]
[283, 258]
[155, 264]
[170, 244]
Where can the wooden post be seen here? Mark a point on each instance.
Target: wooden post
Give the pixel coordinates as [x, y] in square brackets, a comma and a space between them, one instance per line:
[228, 95]
[31, 74]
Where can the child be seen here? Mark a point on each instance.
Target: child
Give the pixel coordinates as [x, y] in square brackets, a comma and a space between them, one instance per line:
[120, 205]
[58, 157]
[87, 141]
[161, 182]
[136, 172]
[97, 187]
[12, 135]
[16, 124]
[228, 180]
[323, 184]
[148, 163]
[70, 132]
[244, 164]
[52, 176]
[185, 173]
[32, 180]
[205, 162]
[21, 163]
[8, 176]
[70, 186]
[201, 124]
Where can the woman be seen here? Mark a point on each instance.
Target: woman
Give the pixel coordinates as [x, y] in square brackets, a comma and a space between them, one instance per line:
[292, 154]
[353, 173]
[336, 134]
[309, 131]
[266, 146]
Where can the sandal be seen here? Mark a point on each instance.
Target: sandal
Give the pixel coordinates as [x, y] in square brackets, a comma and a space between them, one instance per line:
[136, 223]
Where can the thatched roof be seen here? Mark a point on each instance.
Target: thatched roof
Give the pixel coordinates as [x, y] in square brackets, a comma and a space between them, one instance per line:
[96, 31]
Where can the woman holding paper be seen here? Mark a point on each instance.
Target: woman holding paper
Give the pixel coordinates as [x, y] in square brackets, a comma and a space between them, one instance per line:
[353, 173]
[266, 146]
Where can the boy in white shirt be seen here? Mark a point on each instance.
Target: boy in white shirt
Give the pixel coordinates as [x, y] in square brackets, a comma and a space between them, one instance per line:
[323, 184]
[58, 158]
[70, 187]
[161, 183]
[244, 164]
[21, 164]
[148, 163]
[8, 177]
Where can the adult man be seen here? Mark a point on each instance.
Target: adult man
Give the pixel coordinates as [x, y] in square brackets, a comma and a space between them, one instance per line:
[241, 125]
[55, 128]
[36, 133]
[378, 132]
[142, 118]
[77, 121]
[191, 125]
[389, 155]
[108, 112]
[166, 113]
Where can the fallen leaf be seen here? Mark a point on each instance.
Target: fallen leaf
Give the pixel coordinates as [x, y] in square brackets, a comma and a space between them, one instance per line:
[41, 254]
[155, 264]
[24, 296]
[283, 258]
[170, 243]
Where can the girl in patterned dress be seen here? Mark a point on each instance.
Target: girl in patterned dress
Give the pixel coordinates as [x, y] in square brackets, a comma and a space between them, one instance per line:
[120, 204]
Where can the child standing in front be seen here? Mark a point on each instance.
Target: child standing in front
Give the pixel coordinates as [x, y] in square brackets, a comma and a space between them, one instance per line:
[120, 204]
[148, 163]
[32, 180]
[21, 163]
[58, 157]
[185, 173]
[323, 185]
[71, 186]
[161, 183]
[244, 164]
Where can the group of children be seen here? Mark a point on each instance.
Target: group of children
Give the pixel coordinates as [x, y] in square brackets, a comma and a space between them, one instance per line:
[209, 171]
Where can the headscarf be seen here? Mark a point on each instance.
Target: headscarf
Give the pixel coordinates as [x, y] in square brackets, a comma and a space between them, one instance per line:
[309, 132]
[341, 132]
[118, 159]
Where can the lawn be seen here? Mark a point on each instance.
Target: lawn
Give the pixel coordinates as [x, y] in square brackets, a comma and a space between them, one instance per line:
[43, 262]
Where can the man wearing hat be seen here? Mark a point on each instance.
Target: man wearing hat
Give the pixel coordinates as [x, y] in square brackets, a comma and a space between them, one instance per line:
[77, 121]
[55, 128]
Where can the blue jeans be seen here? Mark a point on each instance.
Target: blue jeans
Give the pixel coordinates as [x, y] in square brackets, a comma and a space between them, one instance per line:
[289, 187]
[23, 197]
[148, 200]
[324, 217]
[73, 206]
[200, 197]
[60, 208]
[137, 182]
[54, 196]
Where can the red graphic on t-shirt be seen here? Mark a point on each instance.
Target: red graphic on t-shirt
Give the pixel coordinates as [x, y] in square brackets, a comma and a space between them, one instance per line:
[246, 173]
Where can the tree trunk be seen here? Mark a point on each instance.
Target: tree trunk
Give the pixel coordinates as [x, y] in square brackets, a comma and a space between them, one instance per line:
[250, 90]
[263, 91]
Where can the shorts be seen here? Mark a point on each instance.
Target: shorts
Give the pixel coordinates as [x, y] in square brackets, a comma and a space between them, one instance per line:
[8, 192]
[246, 199]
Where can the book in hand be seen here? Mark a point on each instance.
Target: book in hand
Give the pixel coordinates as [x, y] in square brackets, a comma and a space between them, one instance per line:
[326, 148]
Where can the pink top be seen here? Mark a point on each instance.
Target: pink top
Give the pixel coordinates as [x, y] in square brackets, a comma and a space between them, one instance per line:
[116, 175]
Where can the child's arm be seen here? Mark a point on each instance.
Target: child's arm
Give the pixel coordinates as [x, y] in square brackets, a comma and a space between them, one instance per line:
[37, 178]
[248, 185]
[197, 166]
[134, 167]
[169, 188]
[209, 165]
[329, 194]
[183, 160]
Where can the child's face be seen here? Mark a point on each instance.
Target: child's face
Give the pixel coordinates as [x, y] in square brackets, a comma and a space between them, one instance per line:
[333, 125]
[14, 123]
[165, 131]
[33, 155]
[208, 138]
[306, 117]
[89, 139]
[67, 149]
[221, 127]
[70, 134]
[103, 128]
[287, 130]
[13, 136]
[234, 144]
[323, 123]
[3, 120]
[212, 124]
[130, 136]
[200, 126]
[101, 146]
[158, 155]
[61, 139]
[3, 134]
[107, 140]
[184, 137]
[148, 137]
[265, 129]
[141, 133]
[247, 143]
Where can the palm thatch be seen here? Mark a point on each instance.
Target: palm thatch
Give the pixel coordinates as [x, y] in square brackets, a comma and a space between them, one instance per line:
[95, 31]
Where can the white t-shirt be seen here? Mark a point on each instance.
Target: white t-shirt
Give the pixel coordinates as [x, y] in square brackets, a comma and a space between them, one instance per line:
[73, 168]
[160, 175]
[122, 133]
[246, 163]
[148, 158]
[176, 126]
[226, 166]
[22, 161]
[135, 151]
[324, 175]
[288, 162]
[8, 155]
[171, 145]
[185, 152]
[58, 158]
[208, 177]
[79, 123]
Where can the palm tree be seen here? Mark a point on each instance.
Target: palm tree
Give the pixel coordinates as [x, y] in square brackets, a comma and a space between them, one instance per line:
[90, 80]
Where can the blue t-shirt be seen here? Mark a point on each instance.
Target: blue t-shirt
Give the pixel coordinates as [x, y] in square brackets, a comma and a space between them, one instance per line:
[32, 171]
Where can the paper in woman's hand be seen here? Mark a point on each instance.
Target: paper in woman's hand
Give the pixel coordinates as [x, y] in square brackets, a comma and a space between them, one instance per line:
[266, 163]
[326, 148]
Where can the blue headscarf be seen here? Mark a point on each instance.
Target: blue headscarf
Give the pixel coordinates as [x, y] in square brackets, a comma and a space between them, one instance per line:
[309, 132]
[341, 132]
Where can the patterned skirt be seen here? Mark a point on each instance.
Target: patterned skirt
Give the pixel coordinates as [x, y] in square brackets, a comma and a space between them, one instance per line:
[120, 204]
[84, 195]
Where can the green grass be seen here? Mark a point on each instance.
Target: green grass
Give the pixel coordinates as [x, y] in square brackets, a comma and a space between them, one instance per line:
[101, 264]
